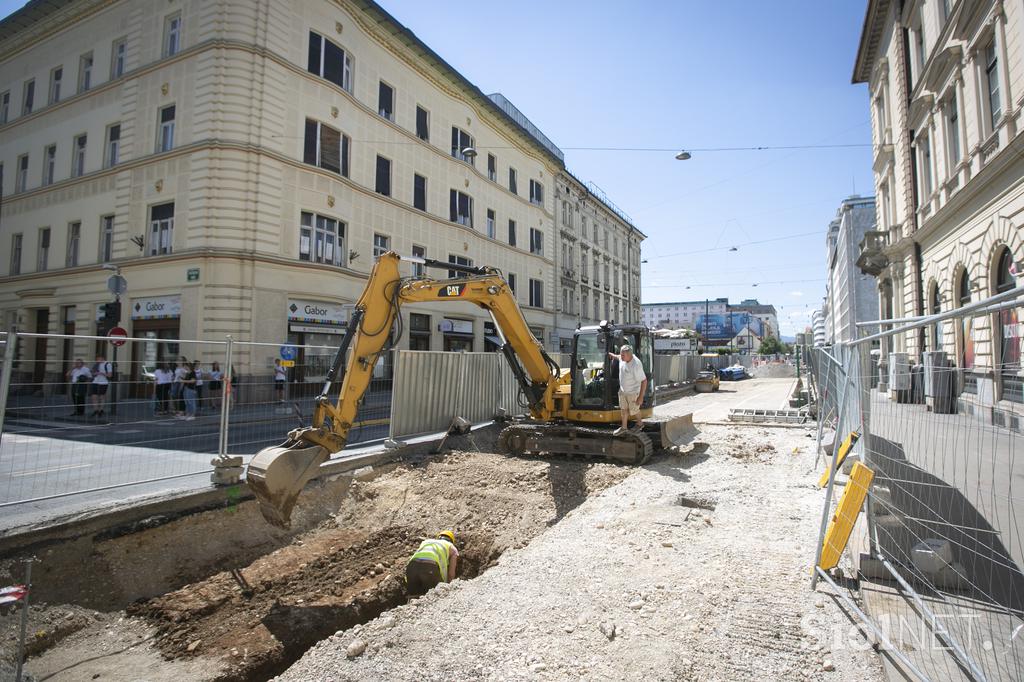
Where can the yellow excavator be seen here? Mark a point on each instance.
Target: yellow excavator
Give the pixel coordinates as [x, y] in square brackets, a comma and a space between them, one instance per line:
[571, 411]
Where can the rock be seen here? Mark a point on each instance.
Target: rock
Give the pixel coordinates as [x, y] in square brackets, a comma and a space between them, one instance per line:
[234, 652]
[819, 603]
[828, 666]
[666, 543]
[538, 667]
[194, 645]
[387, 621]
[707, 520]
[636, 604]
[570, 627]
[608, 630]
[355, 648]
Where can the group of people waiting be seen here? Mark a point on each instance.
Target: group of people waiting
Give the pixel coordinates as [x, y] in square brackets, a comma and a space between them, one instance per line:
[89, 382]
[185, 388]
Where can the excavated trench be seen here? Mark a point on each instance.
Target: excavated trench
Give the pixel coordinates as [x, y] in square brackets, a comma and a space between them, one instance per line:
[248, 617]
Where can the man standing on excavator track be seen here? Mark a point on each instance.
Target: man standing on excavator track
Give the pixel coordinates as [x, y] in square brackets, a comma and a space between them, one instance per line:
[436, 561]
[632, 387]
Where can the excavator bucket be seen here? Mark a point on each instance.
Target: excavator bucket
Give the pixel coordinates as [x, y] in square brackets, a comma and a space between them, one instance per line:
[677, 431]
[277, 475]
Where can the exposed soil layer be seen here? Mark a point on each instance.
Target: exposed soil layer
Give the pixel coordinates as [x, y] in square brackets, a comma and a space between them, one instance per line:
[350, 569]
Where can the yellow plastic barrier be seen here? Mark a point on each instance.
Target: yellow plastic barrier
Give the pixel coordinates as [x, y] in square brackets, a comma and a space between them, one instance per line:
[844, 450]
[841, 525]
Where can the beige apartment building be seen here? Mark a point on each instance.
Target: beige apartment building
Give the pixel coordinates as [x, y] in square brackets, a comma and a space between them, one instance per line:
[242, 163]
[946, 81]
[599, 259]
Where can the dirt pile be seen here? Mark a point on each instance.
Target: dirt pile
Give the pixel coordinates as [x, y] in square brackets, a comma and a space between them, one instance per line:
[350, 569]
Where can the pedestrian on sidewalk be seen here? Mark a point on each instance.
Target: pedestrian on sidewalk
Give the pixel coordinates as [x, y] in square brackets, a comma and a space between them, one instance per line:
[177, 387]
[632, 387]
[436, 561]
[200, 385]
[101, 373]
[164, 380]
[80, 376]
[280, 378]
[188, 392]
[216, 385]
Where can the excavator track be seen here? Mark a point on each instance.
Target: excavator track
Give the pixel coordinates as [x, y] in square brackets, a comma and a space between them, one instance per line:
[633, 447]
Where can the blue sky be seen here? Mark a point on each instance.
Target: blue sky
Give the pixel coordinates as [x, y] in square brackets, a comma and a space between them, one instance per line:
[686, 75]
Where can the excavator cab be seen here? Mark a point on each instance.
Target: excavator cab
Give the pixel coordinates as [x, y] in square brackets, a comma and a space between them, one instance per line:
[595, 375]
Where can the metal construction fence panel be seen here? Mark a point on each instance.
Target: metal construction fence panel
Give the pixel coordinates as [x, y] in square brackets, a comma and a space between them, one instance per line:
[942, 548]
[80, 415]
[432, 387]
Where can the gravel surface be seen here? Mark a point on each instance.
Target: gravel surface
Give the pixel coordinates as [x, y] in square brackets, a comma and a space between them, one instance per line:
[694, 567]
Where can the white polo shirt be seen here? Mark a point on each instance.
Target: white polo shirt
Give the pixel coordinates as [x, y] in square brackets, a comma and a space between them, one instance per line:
[631, 375]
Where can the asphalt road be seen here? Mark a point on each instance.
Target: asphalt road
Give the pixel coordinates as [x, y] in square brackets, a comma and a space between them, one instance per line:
[767, 394]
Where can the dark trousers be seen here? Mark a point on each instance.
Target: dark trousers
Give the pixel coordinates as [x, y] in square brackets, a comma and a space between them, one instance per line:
[421, 576]
[78, 391]
[163, 393]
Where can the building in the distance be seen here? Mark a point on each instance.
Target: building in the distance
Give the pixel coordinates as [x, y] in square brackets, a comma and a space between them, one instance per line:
[852, 295]
[817, 327]
[244, 176]
[681, 314]
[946, 81]
[766, 313]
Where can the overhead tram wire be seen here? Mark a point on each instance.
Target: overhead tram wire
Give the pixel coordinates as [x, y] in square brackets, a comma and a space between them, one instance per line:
[736, 246]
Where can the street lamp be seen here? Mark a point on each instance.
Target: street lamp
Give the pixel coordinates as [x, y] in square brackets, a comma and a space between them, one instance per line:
[469, 153]
[683, 155]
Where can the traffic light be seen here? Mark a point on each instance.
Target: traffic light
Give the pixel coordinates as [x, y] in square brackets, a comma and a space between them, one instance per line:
[111, 314]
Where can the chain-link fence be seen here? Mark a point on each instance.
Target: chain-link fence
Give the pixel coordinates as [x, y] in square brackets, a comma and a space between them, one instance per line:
[939, 550]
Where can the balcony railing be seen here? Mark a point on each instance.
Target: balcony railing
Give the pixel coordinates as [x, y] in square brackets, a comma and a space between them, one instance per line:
[872, 259]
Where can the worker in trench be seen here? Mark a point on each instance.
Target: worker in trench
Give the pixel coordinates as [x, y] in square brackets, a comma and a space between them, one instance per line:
[436, 561]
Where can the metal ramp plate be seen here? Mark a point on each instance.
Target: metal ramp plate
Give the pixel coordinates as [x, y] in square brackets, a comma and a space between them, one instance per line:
[754, 416]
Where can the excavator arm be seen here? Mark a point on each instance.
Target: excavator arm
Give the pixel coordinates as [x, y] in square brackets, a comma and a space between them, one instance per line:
[278, 474]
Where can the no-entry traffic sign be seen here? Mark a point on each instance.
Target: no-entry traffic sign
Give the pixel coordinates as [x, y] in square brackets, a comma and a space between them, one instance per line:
[117, 336]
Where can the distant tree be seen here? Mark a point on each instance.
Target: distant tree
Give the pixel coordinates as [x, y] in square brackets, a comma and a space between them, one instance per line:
[771, 346]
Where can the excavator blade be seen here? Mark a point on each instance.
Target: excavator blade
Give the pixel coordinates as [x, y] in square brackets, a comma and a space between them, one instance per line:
[277, 475]
[677, 431]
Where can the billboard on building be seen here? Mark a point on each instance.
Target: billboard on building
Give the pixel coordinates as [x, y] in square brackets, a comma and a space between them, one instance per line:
[726, 327]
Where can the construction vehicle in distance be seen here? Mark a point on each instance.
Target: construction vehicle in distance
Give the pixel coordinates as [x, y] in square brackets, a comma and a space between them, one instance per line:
[571, 411]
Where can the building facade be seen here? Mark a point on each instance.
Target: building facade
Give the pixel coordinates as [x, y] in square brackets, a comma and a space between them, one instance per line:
[817, 328]
[243, 164]
[851, 293]
[766, 313]
[947, 86]
[598, 260]
[681, 314]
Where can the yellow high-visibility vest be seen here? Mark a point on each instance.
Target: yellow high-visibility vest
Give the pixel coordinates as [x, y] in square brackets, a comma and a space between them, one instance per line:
[435, 550]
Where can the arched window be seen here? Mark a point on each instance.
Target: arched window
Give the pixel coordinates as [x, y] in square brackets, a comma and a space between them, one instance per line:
[966, 356]
[1007, 332]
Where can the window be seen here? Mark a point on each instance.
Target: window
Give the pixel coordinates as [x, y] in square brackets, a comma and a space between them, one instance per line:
[383, 184]
[329, 61]
[172, 35]
[381, 245]
[49, 164]
[511, 233]
[583, 227]
[512, 282]
[944, 6]
[459, 260]
[16, 254]
[56, 77]
[490, 223]
[419, 192]
[117, 55]
[461, 208]
[74, 238]
[992, 82]
[165, 140]
[536, 192]
[936, 308]
[386, 101]
[21, 179]
[925, 150]
[321, 239]
[584, 303]
[512, 184]
[953, 131]
[461, 140]
[326, 147]
[5, 107]
[85, 72]
[106, 253]
[492, 168]
[922, 52]
[78, 156]
[1007, 331]
[43, 259]
[536, 241]
[419, 269]
[536, 293]
[113, 144]
[28, 95]
[161, 229]
[422, 124]
[583, 266]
